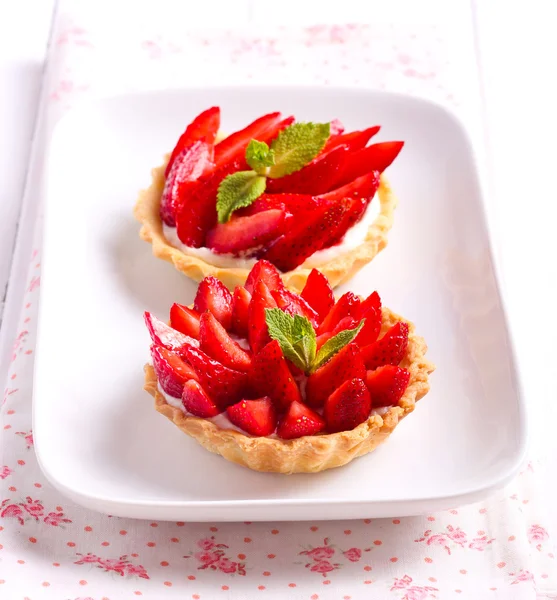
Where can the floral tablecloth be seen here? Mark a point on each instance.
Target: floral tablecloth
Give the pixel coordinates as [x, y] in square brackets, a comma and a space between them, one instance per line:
[53, 549]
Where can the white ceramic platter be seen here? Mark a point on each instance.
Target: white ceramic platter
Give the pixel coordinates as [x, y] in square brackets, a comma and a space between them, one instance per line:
[98, 437]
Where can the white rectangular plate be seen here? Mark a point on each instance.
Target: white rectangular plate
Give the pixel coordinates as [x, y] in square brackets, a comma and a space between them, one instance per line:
[98, 437]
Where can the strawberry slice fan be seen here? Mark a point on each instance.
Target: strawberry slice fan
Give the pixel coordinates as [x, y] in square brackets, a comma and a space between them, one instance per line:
[285, 382]
[299, 195]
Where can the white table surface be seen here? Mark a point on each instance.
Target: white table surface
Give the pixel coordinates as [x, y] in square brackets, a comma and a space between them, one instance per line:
[516, 44]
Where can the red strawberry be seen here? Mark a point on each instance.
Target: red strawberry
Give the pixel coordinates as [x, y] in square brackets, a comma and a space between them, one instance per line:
[293, 304]
[388, 350]
[245, 233]
[346, 323]
[258, 333]
[240, 308]
[363, 187]
[318, 293]
[345, 365]
[317, 177]
[296, 204]
[266, 272]
[370, 310]
[213, 295]
[348, 305]
[197, 402]
[216, 342]
[197, 212]
[187, 167]
[225, 386]
[299, 421]
[256, 417]
[373, 158]
[204, 127]
[233, 147]
[163, 335]
[172, 372]
[387, 384]
[355, 140]
[348, 406]
[185, 319]
[336, 127]
[302, 240]
[270, 376]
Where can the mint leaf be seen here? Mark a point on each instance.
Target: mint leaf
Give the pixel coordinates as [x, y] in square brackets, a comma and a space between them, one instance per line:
[296, 146]
[335, 344]
[295, 335]
[238, 190]
[259, 156]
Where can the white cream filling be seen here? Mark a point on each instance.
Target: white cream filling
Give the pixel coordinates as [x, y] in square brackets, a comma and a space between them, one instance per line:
[354, 237]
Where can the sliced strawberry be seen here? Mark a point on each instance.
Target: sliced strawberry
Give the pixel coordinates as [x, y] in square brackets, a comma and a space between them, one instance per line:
[225, 386]
[293, 304]
[258, 333]
[348, 406]
[233, 147]
[376, 157]
[204, 127]
[240, 310]
[344, 365]
[185, 319]
[266, 272]
[197, 212]
[318, 293]
[336, 127]
[299, 421]
[213, 295]
[186, 169]
[163, 335]
[216, 342]
[197, 402]
[298, 205]
[363, 187]
[309, 236]
[388, 350]
[387, 384]
[355, 140]
[270, 376]
[245, 233]
[316, 178]
[370, 310]
[172, 372]
[346, 323]
[348, 305]
[256, 417]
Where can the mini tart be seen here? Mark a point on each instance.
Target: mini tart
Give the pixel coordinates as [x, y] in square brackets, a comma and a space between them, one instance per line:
[309, 454]
[337, 271]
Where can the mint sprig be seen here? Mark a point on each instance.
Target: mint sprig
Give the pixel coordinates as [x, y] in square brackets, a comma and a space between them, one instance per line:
[298, 340]
[290, 151]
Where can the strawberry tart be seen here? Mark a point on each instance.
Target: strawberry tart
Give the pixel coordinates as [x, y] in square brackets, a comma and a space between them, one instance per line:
[299, 195]
[282, 382]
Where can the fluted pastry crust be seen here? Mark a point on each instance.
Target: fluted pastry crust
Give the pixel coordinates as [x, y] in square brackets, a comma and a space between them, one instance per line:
[337, 271]
[308, 454]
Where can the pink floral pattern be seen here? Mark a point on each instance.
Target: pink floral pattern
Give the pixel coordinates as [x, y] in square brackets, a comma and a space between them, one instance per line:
[455, 537]
[5, 471]
[27, 436]
[31, 510]
[321, 557]
[212, 555]
[411, 591]
[121, 566]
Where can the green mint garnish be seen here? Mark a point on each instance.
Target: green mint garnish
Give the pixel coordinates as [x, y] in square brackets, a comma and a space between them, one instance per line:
[296, 146]
[259, 156]
[238, 190]
[290, 151]
[298, 341]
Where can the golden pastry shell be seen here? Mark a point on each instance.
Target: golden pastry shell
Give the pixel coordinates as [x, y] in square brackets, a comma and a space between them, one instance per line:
[308, 454]
[338, 270]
